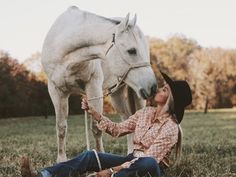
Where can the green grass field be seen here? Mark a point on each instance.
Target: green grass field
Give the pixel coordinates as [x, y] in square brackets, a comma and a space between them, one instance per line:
[209, 146]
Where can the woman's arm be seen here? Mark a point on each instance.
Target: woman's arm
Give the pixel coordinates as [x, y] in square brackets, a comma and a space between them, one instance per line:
[118, 129]
[112, 128]
[95, 115]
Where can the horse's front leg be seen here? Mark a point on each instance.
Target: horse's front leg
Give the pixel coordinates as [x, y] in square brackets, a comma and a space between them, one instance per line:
[60, 102]
[93, 90]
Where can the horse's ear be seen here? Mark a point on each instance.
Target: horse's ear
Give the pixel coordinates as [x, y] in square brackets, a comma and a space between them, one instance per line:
[124, 24]
[133, 21]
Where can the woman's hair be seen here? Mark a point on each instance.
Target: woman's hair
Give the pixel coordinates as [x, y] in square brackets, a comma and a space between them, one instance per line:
[178, 147]
[169, 108]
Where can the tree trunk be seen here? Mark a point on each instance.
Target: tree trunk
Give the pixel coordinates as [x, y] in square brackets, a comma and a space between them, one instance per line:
[206, 105]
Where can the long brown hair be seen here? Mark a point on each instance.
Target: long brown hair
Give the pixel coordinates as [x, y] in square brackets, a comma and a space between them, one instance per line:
[178, 146]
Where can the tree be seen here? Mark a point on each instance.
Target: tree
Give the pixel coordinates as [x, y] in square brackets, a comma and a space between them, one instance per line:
[210, 71]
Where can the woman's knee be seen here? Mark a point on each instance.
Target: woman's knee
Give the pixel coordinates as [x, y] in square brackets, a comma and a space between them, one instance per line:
[86, 155]
[150, 163]
[89, 153]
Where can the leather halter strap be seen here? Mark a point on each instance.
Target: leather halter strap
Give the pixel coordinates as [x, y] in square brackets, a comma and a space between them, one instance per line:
[131, 66]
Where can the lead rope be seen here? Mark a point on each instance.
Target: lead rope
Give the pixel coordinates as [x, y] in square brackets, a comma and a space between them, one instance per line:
[86, 130]
[98, 160]
[93, 174]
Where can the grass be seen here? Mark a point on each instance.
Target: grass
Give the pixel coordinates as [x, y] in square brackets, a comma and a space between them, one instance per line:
[209, 145]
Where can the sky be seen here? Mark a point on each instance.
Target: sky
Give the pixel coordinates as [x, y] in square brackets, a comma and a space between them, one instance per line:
[212, 23]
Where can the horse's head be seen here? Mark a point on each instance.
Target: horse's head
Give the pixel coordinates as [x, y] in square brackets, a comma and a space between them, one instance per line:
[129, 48]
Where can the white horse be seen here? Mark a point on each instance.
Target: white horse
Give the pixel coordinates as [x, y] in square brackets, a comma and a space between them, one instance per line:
[86, 52]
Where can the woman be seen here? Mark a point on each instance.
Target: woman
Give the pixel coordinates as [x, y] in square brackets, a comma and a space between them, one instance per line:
[156, 131]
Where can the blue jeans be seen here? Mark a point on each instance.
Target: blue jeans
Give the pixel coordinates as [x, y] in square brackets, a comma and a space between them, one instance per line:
[87, 162]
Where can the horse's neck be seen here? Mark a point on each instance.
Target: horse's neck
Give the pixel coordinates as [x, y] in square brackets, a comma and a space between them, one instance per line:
[98, 38]
[102, 33]
[109, 78]
[84, 30]
[101, 29]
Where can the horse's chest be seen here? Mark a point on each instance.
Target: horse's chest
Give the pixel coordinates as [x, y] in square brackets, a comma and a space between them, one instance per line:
[73, 76]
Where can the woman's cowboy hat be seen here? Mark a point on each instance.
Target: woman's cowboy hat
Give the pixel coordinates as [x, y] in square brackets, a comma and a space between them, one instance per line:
[181, 94]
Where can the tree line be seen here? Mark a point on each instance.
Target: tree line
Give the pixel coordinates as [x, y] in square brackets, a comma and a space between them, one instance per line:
[23, 93]
[211, 73]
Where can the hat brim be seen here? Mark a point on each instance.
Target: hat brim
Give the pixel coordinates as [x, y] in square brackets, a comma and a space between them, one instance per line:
[179, 113]
[178, 110]
[168, 80]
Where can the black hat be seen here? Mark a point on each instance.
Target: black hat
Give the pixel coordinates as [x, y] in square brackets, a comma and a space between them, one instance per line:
[181, 94]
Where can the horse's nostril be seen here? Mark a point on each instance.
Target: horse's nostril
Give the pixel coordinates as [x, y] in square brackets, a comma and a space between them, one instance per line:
[143, 93]
[154, 89]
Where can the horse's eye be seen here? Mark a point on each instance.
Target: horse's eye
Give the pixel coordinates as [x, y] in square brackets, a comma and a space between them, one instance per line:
[132, 51]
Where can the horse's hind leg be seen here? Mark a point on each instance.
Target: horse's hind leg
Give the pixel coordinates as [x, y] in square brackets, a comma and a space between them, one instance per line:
[60, 102]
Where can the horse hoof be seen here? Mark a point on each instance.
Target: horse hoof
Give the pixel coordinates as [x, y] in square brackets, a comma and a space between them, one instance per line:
[61, 158]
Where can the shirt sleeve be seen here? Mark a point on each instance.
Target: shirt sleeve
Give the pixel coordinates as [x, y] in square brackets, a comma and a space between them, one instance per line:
[119, 129]
[164, 142]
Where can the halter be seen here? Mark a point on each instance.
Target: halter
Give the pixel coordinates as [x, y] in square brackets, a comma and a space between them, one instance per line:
[131, 66]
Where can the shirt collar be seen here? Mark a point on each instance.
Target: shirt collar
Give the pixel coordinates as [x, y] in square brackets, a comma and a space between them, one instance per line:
[160, 118]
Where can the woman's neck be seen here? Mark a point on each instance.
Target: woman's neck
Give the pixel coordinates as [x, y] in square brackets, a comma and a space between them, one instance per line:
[158, 112]
[159, 108]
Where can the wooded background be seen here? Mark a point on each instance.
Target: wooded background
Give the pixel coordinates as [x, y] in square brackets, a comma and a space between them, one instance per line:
[211, 73]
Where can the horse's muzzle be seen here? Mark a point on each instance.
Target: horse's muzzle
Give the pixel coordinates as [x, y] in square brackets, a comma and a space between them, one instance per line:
[145, 93]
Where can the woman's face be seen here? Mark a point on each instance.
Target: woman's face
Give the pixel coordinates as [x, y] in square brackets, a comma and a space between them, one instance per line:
[162, 94]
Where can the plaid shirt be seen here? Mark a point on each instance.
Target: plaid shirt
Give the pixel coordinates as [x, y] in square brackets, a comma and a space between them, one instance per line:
[155, 135]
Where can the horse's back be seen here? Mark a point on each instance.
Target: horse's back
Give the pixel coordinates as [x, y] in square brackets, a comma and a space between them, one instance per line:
[60, 35]
[72, 29]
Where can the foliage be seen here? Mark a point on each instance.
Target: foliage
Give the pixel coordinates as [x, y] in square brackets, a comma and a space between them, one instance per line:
[209, 144]
[209, 71]
[23, 93]
[233, 100]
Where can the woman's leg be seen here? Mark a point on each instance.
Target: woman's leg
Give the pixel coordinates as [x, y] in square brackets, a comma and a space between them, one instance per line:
[86, 162]
[111, 160]
[141, 167]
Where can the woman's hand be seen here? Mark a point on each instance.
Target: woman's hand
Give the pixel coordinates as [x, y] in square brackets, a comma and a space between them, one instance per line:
[104, 173]
[84, 105]
[90, 110]
[127, 164]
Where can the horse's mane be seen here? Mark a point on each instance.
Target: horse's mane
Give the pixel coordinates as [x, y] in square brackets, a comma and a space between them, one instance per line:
[115, 20]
